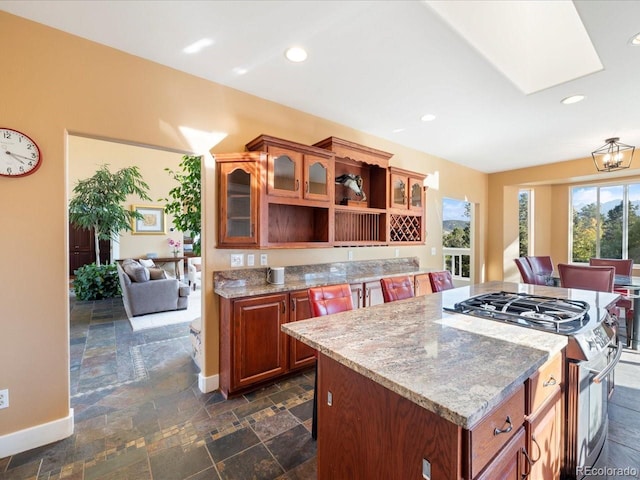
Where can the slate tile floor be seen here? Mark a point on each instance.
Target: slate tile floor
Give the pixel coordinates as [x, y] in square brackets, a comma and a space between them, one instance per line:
[139, 414]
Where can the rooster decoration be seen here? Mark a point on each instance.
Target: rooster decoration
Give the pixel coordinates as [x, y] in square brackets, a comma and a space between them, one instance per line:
[354, 182]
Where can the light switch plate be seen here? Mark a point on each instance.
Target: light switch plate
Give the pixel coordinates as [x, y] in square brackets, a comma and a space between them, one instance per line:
[250, 260]
[433, 250]
[237, 260]
[263, 259]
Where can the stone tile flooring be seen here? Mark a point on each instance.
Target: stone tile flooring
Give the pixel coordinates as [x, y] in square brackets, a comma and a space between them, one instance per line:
[140, 415]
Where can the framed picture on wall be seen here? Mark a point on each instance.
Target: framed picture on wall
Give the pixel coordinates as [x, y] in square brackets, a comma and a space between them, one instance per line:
[153, 220]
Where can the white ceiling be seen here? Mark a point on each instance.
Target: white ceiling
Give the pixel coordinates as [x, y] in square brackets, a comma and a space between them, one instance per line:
[378, 66]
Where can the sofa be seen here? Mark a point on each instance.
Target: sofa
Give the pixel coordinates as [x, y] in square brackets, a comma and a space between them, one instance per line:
[147, 289]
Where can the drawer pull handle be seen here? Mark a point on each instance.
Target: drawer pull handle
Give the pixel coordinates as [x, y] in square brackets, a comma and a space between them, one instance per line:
[535, 442]
[526, 455]
[550, 382]
[498, 431]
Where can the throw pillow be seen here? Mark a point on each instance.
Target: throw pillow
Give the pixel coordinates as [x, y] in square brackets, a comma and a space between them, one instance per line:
[156, 273]
[147, 263]
[136, 272]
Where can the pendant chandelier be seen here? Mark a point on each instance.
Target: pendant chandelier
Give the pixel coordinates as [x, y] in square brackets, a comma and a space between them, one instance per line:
[613, 155]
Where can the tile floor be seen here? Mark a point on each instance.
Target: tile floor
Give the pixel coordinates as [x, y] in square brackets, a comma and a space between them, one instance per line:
[139, 414]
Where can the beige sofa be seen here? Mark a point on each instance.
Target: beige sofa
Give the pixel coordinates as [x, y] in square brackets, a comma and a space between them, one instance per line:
[147, 290]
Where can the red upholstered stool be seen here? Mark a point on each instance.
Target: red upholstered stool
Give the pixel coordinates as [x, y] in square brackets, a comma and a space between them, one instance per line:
[396, 288]
[325, 301]
[441, 281]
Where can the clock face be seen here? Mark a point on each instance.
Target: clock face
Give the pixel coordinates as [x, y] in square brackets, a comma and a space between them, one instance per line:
[19, 155]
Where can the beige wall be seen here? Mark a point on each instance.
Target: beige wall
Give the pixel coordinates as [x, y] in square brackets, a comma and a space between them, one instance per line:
[63, 85]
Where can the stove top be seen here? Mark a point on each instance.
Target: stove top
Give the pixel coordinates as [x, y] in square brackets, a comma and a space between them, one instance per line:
[558, 315]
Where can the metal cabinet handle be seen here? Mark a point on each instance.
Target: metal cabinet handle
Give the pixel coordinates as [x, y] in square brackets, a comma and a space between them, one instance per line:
[284, 307]
[498, 431]
[550, 382]
[306, 187]
[297, 184]
[533, 439]
[526, 455]
[293, 305]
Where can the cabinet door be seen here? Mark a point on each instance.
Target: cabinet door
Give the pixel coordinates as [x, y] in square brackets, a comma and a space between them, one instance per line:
[284, 172]
[508, 464]
[238, 203]
[259, 346]
[399, 191]
[357, 294]
[422, 285]
[373, 294]
[416, 190]
[544, 442]
[300, 354]
[318, 176]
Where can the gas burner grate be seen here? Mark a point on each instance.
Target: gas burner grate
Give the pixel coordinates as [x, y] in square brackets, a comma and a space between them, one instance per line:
[537, 311]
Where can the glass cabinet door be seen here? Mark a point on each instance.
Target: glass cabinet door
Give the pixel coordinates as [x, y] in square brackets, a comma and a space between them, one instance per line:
[284, 172]
[415, 202]
[317, 174]
[398, 191]
[238, 203]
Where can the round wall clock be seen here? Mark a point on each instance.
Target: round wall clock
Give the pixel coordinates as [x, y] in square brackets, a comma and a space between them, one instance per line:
[19, 154]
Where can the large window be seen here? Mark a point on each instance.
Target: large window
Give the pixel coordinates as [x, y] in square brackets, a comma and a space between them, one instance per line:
[524, 223]
[605, 222]
[456, 237]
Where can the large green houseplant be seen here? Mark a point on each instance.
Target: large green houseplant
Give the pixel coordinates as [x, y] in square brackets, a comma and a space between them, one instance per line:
[97, 204]
[185, 201]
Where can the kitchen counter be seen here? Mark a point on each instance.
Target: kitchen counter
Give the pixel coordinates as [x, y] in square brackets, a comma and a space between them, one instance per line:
[250, 282]
[457, 366]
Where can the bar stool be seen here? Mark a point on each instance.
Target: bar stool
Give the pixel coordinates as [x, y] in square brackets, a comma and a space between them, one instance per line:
[441, 281]
[396, 288]
[325, 301]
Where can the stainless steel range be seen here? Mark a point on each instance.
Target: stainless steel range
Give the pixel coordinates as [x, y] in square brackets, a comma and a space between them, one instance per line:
[592, 353]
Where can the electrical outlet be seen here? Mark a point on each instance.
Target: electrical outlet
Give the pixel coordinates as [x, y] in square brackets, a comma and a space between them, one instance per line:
[4, 398]
[433, 250]
[251, 260]
[237, 260]
[397, 252]
[263, 259]
[350, 255]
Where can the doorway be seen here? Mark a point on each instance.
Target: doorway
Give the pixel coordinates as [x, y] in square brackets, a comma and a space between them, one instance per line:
[82, 248]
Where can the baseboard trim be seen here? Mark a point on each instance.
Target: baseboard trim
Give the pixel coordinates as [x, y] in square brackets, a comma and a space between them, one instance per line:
[208, 384]
[33, 437]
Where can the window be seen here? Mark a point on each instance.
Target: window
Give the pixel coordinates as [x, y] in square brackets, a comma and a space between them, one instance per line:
[605, 222]
[456, 237]
[524, 222]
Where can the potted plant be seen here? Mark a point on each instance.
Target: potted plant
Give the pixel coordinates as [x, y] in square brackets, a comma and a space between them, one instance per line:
[97, 203]
[184, 201]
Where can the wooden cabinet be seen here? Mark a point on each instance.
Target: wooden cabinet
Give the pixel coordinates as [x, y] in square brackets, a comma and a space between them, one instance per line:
[509, 464]
[357, 295]
[239, 196]
[373, 293]
[544, 437]
[283, 194]
[422, 285]
[406, 190]
[253, 348]
[300, 354]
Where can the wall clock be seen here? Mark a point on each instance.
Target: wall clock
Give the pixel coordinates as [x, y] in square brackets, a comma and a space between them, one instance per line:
[19, 154]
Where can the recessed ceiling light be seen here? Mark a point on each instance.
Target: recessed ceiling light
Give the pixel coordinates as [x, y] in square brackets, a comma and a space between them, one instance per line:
[296, 54]
[398, 130]
[572, 99]
[240, 71]
[428, 117]
[635, 40]
[197, 46]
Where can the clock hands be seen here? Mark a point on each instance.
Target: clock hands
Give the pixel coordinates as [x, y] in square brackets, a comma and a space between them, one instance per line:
[15, 155]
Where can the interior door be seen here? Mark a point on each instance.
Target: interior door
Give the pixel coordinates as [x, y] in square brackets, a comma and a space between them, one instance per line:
[82, 248]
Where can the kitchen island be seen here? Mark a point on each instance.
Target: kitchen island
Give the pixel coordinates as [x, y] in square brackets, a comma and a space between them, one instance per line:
[406, 390]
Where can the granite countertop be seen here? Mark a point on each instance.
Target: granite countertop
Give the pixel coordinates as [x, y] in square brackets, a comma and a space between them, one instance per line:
[250, 282]
[455, 365]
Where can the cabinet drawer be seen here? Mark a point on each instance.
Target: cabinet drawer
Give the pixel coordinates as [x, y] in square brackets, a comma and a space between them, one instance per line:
[544, 383]
[495, 430]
